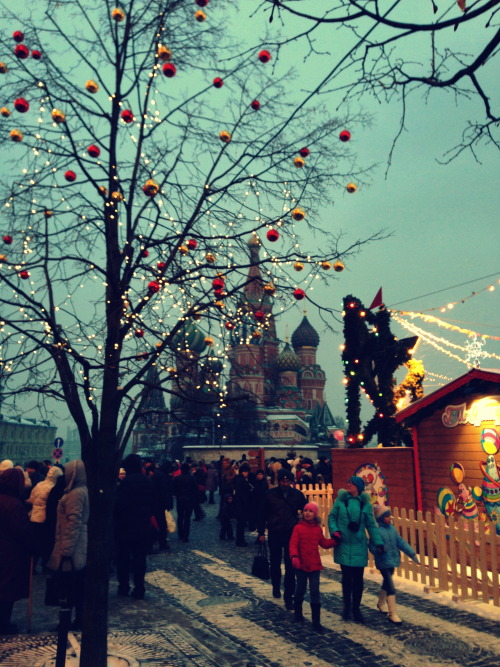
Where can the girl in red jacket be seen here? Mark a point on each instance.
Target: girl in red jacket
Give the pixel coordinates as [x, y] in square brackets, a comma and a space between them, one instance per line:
[307, 536]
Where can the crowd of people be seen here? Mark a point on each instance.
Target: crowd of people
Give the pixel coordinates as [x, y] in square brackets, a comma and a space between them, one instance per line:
[44, 511]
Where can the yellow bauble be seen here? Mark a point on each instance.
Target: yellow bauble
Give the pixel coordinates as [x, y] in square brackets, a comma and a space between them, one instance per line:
[117, 196]
[299, 162]
[3, 258]
[351, 187]
[102, 190]
[298, 214]
[210, 257]
[16, 135]
[339, 266]
[164, 53]
[3, 68]
[298, 266]
[5, 112]
[151, 187]
[209, 341]
[92, 86]
[326, 266]
[183, 250]
[117, 14]
[58, 116]
[220, 304]
[225, 136]
[200, 16]
[270, 288]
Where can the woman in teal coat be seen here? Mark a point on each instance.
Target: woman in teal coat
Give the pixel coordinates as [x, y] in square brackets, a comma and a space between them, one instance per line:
[350, 517]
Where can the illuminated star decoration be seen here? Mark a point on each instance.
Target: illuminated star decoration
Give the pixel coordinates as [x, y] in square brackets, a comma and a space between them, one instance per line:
[475, 351]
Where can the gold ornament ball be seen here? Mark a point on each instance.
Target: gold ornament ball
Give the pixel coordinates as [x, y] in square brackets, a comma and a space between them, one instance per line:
[220, 304]
[58, 116]
[298, 214]
[102, 190]
[209, 341]
[3, 258]
[298, 266]
[326, 266]
[3, 68]
[257, 334]
[339, 266]
[183, 250]
[210, 257]
[117, 14]
[164, 53]
[200, 16]
[270, 289]
[225, 136]
[171, 370]
[351, 187]
[5, 112]
[117, 196]
[16, 135]
[151, 187]
[299, 162]
[92, 86]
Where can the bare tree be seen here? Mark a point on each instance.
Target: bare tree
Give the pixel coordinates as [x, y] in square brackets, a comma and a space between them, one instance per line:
[394, 49]
[144, 151]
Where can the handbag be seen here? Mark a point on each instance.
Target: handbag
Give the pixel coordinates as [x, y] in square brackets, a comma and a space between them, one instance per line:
[260, 565]
[171, 525]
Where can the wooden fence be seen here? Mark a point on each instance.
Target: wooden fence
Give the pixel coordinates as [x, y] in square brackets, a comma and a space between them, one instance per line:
[456, 555]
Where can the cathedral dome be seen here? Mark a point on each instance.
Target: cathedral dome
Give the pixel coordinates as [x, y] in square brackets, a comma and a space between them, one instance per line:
[287, 360]
[213, 365]
[244, 332]
[189, 337]
[305, 335]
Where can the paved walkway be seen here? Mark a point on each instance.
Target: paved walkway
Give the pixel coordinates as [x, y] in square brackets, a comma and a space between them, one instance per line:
[204, 608]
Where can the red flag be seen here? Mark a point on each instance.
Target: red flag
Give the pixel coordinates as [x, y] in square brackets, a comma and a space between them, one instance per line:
[377, 301]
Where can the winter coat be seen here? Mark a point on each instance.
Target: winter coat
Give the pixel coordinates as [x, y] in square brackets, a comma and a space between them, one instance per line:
[212, 478]
[353, 548]
[72, 519]
[40, 493]
[243, 496]
[307, 536]
[186, 489]
[163, 490]
[15, 537]
[134, 507]
[393, 545]
[280, 514]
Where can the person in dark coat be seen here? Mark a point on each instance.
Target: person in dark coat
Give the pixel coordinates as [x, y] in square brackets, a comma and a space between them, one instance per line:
[243, 500]
[280, 513]
[163, 489]
[186, 493]
[132, 519]
[53, 499]
[212, 482]
[15, 546]
[226, 514]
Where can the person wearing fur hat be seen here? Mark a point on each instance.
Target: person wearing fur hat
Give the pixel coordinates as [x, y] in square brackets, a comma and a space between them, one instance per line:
[388, 560]
[307, 537]
[280, 513]
[351, 516]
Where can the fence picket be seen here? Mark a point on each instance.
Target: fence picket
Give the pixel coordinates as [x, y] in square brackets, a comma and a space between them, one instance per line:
[421, 547]
[483, 563]
[474, 584]
[431, 538]
[495, 583]
[462, 557]
[453, 555]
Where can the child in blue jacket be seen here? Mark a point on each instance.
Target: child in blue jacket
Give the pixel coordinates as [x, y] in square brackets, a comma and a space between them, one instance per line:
[389, 559]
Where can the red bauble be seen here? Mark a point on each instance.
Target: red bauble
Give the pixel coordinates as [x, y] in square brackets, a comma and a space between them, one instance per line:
[272, 235]
[7, 239]
[169, 70]
[264, 56]
[70, 176]
[139, 333]
[259, 315]
[153, 287]
[192, 244]
[21, 105]
[21, 51]
[18, 36]
[229, 326]
[299, 294]
[93, 151]
[127, 116]
[218, 82]
[218, 283]
[160, 266]
[202, 3]
[345, 135]
[144, 253]
[219, 292]
[24, 275]
[255, 105]
[36, 54]
[304, 152]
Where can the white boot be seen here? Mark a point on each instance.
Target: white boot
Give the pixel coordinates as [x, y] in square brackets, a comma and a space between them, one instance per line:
[391, 603]
[382, 602]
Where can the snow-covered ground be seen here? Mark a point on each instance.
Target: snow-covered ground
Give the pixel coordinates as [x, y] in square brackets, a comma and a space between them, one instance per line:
[414, 588]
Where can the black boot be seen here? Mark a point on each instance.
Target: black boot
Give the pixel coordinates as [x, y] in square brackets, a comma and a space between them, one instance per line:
[346, 612]
[316, 616]
[289, 604]
[297, 608]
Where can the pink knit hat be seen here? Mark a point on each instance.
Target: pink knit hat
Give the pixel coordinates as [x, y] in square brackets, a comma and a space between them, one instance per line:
[380, 511]
[313, 507]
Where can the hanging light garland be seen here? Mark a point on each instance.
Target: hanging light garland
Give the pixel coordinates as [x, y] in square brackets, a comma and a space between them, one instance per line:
[431, 319]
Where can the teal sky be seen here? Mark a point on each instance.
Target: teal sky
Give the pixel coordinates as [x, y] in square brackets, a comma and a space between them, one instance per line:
[444, 219]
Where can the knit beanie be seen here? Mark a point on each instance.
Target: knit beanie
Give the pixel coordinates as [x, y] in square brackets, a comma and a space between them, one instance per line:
[313, 507]
[358, 483]
[284, 473]
[380, 511]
